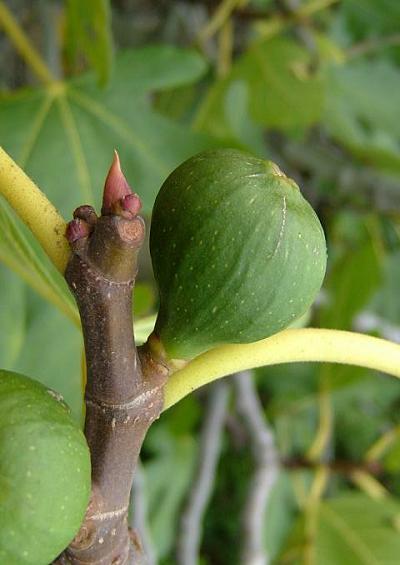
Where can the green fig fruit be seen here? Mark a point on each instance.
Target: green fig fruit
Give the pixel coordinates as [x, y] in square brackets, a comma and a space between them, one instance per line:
[238, 253]
[44, 473]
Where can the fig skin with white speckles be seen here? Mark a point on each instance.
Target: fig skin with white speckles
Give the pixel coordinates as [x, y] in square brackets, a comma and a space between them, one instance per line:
[44, 473]
[238, 253]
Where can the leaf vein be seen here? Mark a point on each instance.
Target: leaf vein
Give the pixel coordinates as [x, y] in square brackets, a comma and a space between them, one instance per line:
[117, 125]
[37, 126]
[353, 541]
[77, 149]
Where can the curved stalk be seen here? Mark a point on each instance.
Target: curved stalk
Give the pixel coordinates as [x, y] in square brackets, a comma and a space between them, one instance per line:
[289, 346]
[35, 210]
[24, 45]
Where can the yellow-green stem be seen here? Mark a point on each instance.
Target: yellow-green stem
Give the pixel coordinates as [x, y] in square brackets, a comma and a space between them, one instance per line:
[317, 448]
[220, 16]
[313, 501]
[277, 24]
[289, 346]
[378, 448]
[369, 484]
[225, 49]
[35, 210]
[23, 45]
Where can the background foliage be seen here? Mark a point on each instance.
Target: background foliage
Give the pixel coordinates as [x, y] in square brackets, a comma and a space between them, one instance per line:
[311, 84]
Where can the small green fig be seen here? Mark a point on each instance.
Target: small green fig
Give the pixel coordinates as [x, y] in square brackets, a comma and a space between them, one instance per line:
[238, 253]
[44, 473]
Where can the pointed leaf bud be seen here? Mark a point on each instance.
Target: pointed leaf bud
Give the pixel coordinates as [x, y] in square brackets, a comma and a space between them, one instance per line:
[116, 186]
[127, 207]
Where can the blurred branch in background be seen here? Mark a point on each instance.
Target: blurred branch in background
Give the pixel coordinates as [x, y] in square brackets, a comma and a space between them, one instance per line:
[50, 14]
[189, 535]
[221, 15]
[23, 45]
[139, 518]
[372, 44]
[276, 24]
[266, 469]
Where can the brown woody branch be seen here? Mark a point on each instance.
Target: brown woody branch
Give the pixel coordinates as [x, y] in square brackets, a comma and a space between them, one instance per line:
[123, 392]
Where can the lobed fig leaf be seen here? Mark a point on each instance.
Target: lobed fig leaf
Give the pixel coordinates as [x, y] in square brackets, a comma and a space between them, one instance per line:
[44, 473]
[238, 253]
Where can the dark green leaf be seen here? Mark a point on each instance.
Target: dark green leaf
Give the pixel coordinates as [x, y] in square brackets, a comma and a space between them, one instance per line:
[386, 302]
[12, 315]
[352, 529]
[51, 352]
[356, 530]
[279, 514]
[168, 475]
[359, 111]
[64, 136]
[350, 286]
[144, 299]
[20, 251]
[368, 18]
[283, 92]
[88, 32]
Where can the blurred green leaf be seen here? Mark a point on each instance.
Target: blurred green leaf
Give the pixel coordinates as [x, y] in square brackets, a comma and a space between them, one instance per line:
[144, 299]
[12, 316]
[368, 18]
[51, 351]
[350, 285]
[184, 419]
[20, 251]
[168, 475]
[64, 136]
[362, 404]
[362, 413]
[294, 387]
[351, 529]
[88, 32]
[355, 529]
[176, 103]
[283, 91]
[391, 459]
[386, 302]
[359, 111]
[241, 125]
[279, 515]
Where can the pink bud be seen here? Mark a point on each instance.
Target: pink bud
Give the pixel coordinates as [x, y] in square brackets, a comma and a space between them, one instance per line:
[131, 203]
[87, 213]
[116, 186]
[77, 229]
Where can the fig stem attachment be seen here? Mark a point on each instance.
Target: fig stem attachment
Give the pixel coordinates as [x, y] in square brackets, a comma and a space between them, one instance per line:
[288, 346]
